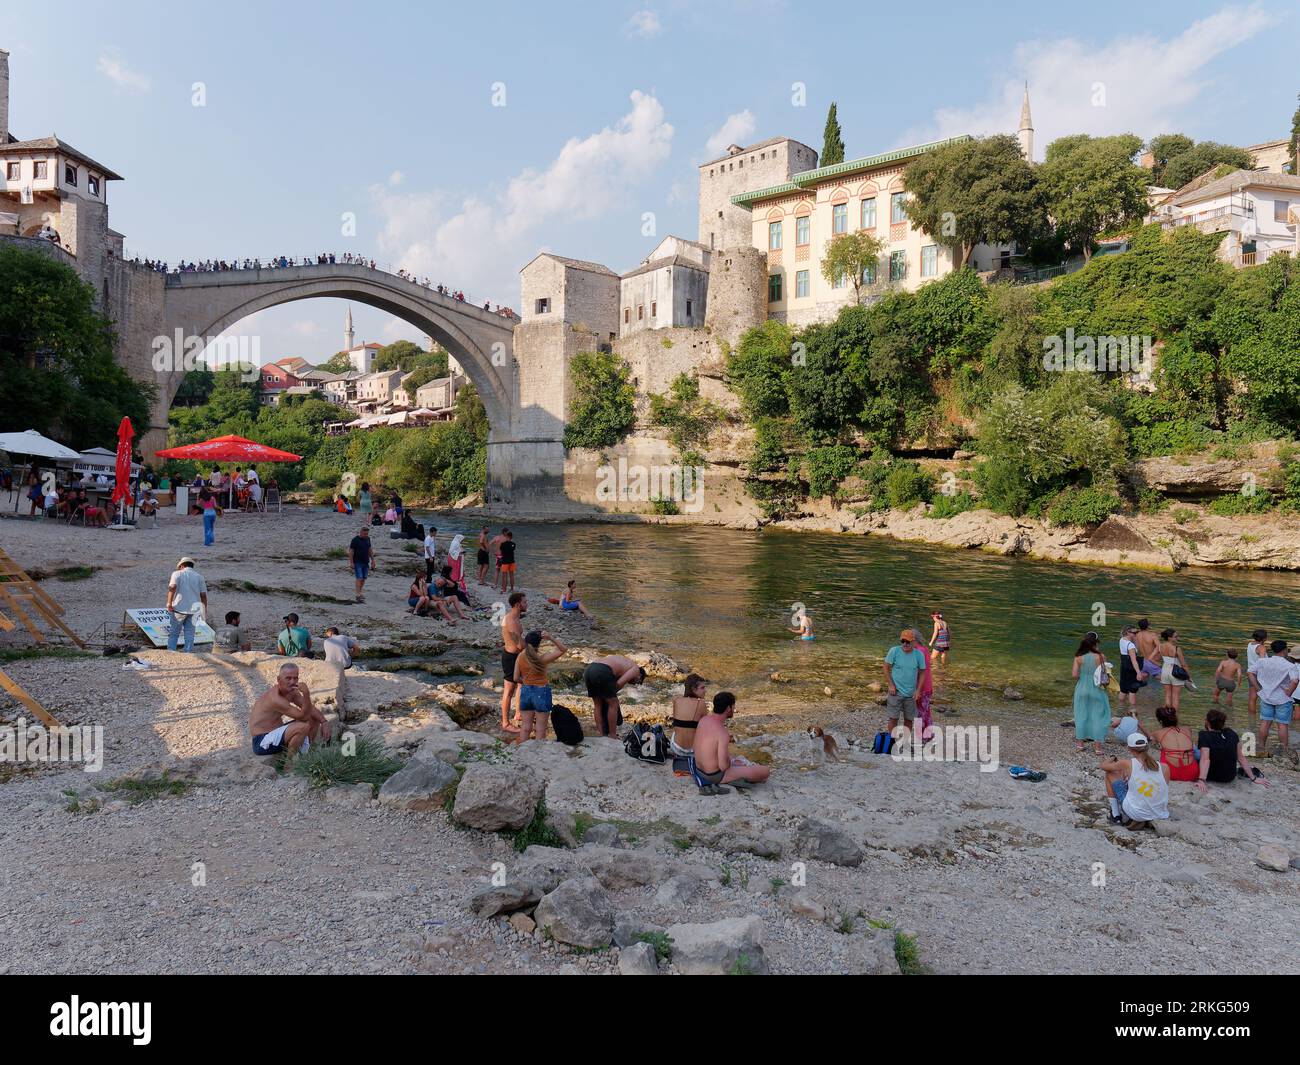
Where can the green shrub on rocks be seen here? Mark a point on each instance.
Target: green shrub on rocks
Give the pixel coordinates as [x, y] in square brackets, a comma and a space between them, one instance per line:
[603, 409]
[1083, 506]
[328, 764]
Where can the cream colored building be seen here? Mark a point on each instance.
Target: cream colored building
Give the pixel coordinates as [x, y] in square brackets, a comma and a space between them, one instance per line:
[378, 388]
[795, 221]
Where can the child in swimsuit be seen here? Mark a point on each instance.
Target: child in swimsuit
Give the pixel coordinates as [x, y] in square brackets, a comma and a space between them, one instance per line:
[805, 627]
[1226, 677]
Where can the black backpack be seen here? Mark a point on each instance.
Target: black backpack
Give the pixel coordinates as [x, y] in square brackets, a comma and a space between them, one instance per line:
[568, 729]
[647, 743]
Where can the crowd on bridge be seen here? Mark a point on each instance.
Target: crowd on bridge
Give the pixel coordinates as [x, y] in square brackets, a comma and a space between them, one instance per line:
[283, 262]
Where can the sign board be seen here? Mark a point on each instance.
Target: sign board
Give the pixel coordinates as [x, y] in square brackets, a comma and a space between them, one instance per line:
[156, 623]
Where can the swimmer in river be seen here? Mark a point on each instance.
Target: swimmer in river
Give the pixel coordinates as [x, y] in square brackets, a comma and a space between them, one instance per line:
[804, 627]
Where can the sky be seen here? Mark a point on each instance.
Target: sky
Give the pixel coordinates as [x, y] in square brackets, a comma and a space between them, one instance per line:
[463, 139]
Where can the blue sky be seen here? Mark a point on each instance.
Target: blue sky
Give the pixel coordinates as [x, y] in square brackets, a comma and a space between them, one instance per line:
[385, 111]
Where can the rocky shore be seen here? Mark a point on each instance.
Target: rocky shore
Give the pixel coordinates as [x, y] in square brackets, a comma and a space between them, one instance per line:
[187, 854]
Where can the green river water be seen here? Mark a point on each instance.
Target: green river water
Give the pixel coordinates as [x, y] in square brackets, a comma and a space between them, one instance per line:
[719, 601]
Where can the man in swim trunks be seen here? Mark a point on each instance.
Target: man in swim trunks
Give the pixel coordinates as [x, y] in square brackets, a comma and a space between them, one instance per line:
[605, 678]
[483, 554]
[512, 638]
[1148, 645]
[714, 764]
[507, 556]
[288, 697]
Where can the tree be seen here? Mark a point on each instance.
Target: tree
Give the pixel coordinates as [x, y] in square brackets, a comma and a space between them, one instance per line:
[1191, 164]
[975, 192]
[337, 363]
[851, 255]
[1293, 145]
[832, 141]
[57, 371]
[757, 368]
[1163, 148]
[399, 355]
[603, 409]
[1093, 186]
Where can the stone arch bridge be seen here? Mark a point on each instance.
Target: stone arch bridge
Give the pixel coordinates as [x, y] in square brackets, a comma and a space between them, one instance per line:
[525, 449]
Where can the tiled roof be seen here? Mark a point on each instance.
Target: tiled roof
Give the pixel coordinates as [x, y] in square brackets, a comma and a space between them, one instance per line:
[811, 178]
[577, 264]
[53, 144]
[667, 260]
[1234, 182]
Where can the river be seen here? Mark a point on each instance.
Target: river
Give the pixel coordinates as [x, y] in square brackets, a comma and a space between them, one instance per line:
[720, 600]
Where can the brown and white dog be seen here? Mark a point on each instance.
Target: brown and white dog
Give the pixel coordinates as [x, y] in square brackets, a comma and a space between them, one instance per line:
[829, 747]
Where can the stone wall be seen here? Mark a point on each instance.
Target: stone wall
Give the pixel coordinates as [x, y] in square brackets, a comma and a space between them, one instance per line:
[737, 293]
[580, 297]
[656, 356]
[133, 298]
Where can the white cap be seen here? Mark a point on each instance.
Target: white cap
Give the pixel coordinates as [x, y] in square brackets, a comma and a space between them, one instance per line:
[1137, 742]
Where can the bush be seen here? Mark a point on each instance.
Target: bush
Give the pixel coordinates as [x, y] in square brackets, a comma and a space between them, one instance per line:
[757, 368]
[1090, 505]
[1002, 487]
[603, 410]
[908, 484]
[1239, 503]
[827, 467]
[949, 506]
[688, 418]
[326, 765]
[770, 452]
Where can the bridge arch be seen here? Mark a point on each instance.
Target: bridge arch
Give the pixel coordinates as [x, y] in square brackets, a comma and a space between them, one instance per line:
[207, 304]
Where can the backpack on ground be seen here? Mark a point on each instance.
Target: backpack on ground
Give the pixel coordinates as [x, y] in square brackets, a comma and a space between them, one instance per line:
[568, 729]
[647, 743]
[883, 743]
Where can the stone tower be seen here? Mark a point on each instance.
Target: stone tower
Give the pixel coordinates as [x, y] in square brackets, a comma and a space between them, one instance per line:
[349, 336]
[770, 162]
[1026, 132]
[4, 97]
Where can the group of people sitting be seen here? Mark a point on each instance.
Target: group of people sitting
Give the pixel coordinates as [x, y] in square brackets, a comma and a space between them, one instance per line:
[71, 502]
[293, 641]
[242, 487]
[1137, 787]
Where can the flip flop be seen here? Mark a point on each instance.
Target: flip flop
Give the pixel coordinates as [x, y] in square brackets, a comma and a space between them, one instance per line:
[715, 789]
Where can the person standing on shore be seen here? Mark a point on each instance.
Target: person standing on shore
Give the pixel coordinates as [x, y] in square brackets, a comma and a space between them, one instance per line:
[208, 508]
[1172, 663]
[187, 599]
[430, 553]
[1091, 703]
[483, 558]
[507, 559]
[361, 556]
[1255, 650]
[904, 666]
[1130, 669]
[940, 639]
[1277, 678]
[605, 678]
[534, 684]
[512, 640]
[1148, 650]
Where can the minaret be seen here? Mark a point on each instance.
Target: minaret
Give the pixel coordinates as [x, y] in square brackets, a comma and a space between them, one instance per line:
[349, 337]
[1026, 133]
[4, 97]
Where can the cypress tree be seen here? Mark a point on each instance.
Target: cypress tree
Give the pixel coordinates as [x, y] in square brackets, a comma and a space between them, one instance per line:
[832, 142]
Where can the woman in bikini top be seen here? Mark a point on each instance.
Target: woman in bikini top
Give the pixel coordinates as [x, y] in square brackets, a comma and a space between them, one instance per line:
[687, 711]
[1172, 736]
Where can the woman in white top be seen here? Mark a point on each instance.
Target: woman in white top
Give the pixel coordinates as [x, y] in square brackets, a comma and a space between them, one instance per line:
[1138, 787]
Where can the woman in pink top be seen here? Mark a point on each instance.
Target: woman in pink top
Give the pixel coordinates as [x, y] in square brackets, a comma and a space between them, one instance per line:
[924, 690]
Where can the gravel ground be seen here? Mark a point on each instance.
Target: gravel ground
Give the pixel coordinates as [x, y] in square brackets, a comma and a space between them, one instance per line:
[991, 875]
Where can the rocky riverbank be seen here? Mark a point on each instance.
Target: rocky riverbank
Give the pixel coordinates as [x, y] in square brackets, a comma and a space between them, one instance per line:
[481, 856]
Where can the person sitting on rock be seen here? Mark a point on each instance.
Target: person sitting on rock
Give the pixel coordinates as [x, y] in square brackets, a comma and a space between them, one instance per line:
[1222, 760]
[287, 697]
[713, 764]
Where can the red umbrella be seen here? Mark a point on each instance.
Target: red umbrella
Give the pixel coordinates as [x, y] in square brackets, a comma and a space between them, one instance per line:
[122, 485]
[229, 449]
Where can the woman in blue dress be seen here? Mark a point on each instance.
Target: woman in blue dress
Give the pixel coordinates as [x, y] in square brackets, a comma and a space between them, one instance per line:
[1091, 703]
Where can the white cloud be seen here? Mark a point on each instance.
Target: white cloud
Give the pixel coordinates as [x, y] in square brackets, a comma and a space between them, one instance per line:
[644, 24]
[396, 177]
[112, 67]
[480, 245]
[1146, 85]
[736, 130]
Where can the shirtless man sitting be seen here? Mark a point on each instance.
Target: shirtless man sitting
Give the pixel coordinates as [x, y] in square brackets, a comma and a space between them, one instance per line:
[714, 764]
[605, 678]
[288, 698]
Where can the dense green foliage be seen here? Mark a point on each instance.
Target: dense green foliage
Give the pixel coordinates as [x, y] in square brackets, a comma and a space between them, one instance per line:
[1178, 159]
[959, 363]
[57, 373]
[688, 418]
[1093, 186]
[438, 463]
[603, 408]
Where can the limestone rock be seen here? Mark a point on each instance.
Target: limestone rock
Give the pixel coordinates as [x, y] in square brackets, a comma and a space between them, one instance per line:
[357, 796]
[578, 912]
[1012, 694]
[628, 927]
[871, 954]
[823, 841]
[734, 946]
[522, 923]
[638, 960]
[1274, 856]
[452, 746]
[678, 892]
[419, 785]
[544, 866]
[602, 835]
[803, 902]
[509, 897]
[496, 797]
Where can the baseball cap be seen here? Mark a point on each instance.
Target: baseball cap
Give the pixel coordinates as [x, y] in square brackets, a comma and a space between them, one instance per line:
[1137, 742]
[907, 634]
